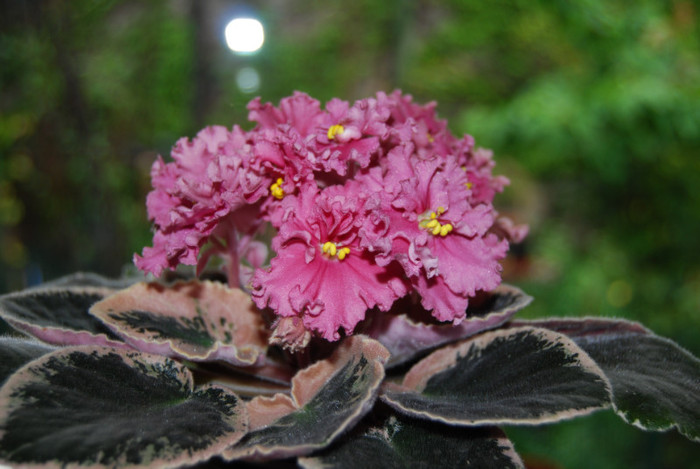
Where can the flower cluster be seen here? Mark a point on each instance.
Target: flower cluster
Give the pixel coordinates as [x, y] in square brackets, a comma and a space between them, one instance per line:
[370, 202]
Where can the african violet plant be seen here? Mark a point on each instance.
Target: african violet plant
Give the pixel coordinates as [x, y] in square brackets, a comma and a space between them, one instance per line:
[377, 335]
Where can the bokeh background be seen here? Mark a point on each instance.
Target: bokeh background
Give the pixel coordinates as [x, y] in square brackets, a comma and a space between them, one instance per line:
[591, 106]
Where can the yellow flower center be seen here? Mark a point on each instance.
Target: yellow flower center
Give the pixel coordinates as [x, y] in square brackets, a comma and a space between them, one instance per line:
[333, 250]
[334, 130]
[276, 189]
[433, 225]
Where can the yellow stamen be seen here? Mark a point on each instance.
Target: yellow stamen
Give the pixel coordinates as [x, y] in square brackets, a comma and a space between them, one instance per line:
[334, 130]
[276, 189]
[332, 250]
[431, 139]
[433, 225]
[342, 253]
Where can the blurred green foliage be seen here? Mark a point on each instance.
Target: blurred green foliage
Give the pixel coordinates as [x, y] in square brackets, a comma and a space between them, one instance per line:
[592, 108]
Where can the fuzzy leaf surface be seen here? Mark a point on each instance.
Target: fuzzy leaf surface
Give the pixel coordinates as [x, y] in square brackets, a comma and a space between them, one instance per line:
[90, 279]
[655, 382]
[400, 443]
[198, 321]
[103, 407]
[58, 314]
[407, 338]
[16, 352]
[510, 376]
[327, 398]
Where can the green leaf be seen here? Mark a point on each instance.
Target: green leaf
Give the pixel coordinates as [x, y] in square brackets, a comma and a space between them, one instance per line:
[59, 314]
[509, 376]
[400, 443]
[198, 321]
[108, 407]
[655, 382]
[327, 398]
[16, 352]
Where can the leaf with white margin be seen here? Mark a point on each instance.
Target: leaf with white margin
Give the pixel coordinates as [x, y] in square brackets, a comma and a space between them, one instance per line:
[59, 315]
[197, 321]
[655, 382]
[327, 398]
[401, 442]
[16, 352]
[103, 407]
[521, 376]
[407, 339]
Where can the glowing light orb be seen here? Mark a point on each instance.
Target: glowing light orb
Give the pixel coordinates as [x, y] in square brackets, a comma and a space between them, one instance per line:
[248, 80]
[244, 35]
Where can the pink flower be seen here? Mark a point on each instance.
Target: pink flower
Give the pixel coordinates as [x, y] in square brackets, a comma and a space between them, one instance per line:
[321, 274]
[300, 112]
[350, 134]
[478, 166]
[194, 193]
[321, 141]
[284, 157]
[371, 201]
[426, 223]
[414, 123]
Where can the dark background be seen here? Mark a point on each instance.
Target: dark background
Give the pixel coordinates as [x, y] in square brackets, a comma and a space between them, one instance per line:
[591, 106]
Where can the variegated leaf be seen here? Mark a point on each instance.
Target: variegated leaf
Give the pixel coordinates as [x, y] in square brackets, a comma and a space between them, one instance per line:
[402, 442]
[16, 352]
[59, 315]
[510, 376]
[327, 398]
[102, 407]
[655, 382]
[198, 321]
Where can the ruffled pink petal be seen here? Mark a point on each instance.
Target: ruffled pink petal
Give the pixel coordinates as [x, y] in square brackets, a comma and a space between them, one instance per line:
[335, 157]
[299, 111]
[469, 265]
[328, 294]
[169, 250]
[437, 297]
[194, 193]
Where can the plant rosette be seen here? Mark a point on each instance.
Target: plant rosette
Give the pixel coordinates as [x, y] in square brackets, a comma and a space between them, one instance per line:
[377, 333]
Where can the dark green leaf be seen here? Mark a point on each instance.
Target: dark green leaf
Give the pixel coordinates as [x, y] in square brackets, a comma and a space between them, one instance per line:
[655, 382]
[89, 279]
[59, 315]
[16, 352]
[327, 398]
[400, 443]
[199, 321]
[509, 376]
[102, 406]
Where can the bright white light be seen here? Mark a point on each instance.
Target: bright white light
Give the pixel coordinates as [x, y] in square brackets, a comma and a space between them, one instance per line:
[244, 35]
[248, 80]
